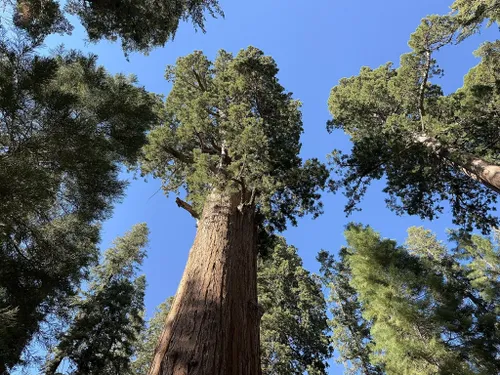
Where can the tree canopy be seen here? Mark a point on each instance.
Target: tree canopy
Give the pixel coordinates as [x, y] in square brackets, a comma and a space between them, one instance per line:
[66, 128]
[430, 147]
[140, 25]
[470, 14]
[425, 309]
[229, 125]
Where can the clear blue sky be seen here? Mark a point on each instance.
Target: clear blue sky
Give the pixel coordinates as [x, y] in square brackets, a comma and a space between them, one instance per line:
[315, 43]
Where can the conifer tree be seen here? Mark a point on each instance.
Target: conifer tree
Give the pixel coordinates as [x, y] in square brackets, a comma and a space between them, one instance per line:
[427, 311]
[351, 332]
[66, 128]
[140, 24]
[294, 323]
[230, 139]
[429, 146]
[109, 315]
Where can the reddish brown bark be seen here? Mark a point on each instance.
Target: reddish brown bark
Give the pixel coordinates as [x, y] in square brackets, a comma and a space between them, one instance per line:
[213, 326]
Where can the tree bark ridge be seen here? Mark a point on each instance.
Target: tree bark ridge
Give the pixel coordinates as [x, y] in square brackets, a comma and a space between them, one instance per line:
[213, 326]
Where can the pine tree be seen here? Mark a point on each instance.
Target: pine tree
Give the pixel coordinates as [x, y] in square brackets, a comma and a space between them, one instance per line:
[230, 138]
[109, 315]
[427, 311]
[430, 147]
[351, 332]
[140, 25]
[66, 129]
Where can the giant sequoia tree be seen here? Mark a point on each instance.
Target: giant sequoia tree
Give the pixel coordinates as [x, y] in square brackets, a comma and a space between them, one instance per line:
[66, 126]
[430, 147]
[141, 25]
[230, 139]
[419, 308]
[294, 325]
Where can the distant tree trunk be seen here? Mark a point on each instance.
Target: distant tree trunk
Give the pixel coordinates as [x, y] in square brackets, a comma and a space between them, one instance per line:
[213, 326]
[476, 168]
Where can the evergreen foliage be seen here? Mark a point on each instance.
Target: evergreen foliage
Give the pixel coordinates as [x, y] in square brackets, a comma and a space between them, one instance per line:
[230, 126]
[109, 315]
[66, 127]
[470, 14]
[351, 332]
[430, 147]
[294, 325]
[428, 309]
[141, 25]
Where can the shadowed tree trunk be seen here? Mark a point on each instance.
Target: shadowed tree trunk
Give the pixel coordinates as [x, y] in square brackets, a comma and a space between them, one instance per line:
[213, 326]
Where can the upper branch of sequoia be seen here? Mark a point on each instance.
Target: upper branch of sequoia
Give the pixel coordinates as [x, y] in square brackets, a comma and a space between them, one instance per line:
[230, 125]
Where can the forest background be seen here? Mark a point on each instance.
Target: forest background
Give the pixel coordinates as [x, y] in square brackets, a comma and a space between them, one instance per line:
[315, 44]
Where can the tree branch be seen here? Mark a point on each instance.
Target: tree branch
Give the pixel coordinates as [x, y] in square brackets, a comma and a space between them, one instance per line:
[423, 85]
[178, 155]
[198, 79]
[187, 207]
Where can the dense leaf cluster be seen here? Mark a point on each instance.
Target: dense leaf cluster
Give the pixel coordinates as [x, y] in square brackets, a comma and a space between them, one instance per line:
[66, 126]
[419, 308]
[423, 142]
[229, 125]
[140, 25]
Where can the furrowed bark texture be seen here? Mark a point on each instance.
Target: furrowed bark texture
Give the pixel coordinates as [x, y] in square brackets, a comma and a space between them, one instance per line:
[213, 326]
[478, 169]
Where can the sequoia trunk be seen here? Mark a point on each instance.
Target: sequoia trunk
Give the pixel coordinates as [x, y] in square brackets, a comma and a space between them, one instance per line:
[213, 326]
[478, 169]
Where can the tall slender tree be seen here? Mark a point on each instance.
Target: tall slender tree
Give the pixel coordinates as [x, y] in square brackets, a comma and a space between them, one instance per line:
[109, 315]
[430, 147]
[351, 332]
[66, 128]
[230, 138]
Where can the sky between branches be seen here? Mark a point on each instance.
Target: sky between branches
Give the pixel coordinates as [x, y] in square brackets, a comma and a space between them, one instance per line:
[314, 44]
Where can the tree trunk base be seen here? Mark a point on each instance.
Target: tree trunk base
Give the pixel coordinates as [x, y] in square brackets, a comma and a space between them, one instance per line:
[213, 326]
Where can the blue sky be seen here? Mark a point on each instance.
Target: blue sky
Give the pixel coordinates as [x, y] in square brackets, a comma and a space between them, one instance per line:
[315, 43]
